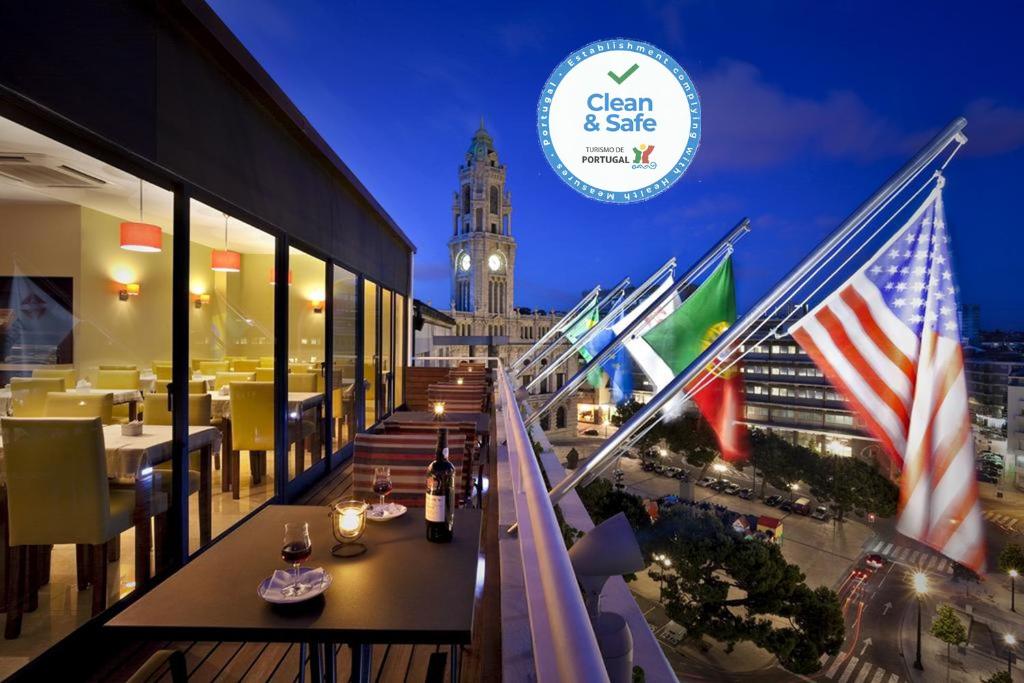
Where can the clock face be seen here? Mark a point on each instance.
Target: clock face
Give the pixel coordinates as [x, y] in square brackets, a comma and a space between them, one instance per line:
[465, 263]
[494, 262]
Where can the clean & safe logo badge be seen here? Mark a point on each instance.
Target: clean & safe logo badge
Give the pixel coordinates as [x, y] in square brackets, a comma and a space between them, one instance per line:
[606, 108]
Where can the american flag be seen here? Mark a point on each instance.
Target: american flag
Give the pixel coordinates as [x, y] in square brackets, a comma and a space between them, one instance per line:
[889, 340]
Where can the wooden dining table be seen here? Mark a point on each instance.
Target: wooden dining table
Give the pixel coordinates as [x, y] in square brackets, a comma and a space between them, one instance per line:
[130, 463]
[372, 598]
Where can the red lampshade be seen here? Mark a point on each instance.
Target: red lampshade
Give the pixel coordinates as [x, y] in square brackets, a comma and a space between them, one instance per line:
[144, 237]
[273, 276]
[226, 261]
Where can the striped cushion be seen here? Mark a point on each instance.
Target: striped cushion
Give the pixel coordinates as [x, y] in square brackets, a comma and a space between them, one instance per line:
[408, 456]
[466, 429]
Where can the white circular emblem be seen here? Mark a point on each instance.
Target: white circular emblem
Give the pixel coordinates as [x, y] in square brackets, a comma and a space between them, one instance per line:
[494, 262]
[465, 263]
[619, 121]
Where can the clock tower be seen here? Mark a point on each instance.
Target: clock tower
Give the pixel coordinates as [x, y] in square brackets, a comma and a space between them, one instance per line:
[482, 250]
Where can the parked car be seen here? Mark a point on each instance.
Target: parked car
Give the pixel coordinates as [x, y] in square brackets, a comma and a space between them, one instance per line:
[731, 489]
[669, 500]
[659, 468]
[786, 506]
[630, 455]
[591, 432]
[989, 465]
[772, 501]
[802, 506]
[875, 561]
[989, 456]
[647, 466]
[682, 475]
[719, 485]
[706, 481]
[746, 494]
[670, 471]
[820, 512]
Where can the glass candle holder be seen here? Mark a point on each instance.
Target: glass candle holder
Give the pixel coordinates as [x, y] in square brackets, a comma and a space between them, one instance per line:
[438, 410]
[348, 522]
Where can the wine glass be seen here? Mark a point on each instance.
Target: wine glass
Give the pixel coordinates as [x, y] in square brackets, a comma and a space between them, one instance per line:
[382, 484]
[296, 549]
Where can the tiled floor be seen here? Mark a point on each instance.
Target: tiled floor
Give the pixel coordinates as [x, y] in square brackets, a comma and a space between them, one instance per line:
[62, 607]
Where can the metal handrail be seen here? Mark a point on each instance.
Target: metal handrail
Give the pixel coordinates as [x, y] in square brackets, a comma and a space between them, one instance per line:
[564, 645]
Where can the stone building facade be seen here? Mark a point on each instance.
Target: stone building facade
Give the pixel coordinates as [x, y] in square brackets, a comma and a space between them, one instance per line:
[482, 259]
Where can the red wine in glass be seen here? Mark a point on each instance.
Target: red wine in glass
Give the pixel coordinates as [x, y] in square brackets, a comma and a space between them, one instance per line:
[296, 549]
[382, 484]
[296, 553]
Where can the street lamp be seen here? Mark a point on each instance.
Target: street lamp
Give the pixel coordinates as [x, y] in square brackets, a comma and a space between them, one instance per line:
[1013, 590]
[920, 588]
[660, 559]
[1010, 642]
[793, 489]
[719, 467]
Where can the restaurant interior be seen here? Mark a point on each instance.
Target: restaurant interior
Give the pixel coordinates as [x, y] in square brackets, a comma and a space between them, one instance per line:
[86, 298]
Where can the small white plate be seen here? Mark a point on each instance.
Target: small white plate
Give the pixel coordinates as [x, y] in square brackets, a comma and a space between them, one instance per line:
[276, 598]
[390, 511]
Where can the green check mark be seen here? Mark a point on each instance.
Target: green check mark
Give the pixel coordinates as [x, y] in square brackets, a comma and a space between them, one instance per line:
[623, 77]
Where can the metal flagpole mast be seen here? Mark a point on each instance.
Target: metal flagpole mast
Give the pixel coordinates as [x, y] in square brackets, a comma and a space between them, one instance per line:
[723, 247]
[607, 298]
[563, 323]
[604, 322]
[911, 169]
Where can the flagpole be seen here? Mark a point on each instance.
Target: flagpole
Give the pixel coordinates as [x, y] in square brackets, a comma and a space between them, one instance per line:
[604, 322]
[559, 326]
[722, 248]
[927, 155]
[608, 297]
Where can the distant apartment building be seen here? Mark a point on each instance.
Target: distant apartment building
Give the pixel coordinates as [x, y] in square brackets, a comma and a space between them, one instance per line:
[1015, 423]
[988, 375]
[787, 394]
[970, 323]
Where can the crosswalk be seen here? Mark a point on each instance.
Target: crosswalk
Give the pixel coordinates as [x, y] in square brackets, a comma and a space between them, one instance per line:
[1006, 522]
[848, 668]
[916, 558]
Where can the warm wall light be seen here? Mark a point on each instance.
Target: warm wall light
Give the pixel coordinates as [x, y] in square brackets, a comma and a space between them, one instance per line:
[273, 276]
[143, 237]
[127, 290]
[201, 300]
[318, 305]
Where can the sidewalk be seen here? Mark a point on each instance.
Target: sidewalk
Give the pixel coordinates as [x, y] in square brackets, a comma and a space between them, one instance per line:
[986, 620]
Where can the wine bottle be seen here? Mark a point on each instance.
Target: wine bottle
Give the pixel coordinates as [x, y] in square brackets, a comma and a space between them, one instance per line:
[440, 503]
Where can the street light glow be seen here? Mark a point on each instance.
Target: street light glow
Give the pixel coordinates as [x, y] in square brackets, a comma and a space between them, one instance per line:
[719, 467]
[1013, 573]
[1010, 639]
[794, 487]
[920, 583]
[667, 562]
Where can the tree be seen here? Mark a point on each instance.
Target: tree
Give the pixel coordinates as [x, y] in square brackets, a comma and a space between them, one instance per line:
[1011, 557]
[734, 590]
[603, 501]
[572, 459]
[998, 677]
[948, 628]
[849, 483]
[778, 461]
[628, 409]
[691, 435]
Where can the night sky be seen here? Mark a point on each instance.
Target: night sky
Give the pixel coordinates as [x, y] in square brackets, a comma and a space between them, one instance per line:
[807, 108]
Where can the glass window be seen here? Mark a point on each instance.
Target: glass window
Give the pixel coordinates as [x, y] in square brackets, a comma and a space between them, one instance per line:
[345, 323]
[85, 299]
[306, 332]
[400, 351]
[387, 351]
[231, 356]
[371, 359]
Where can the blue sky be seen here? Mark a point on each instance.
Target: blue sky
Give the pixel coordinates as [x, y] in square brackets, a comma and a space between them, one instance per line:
[807, 108]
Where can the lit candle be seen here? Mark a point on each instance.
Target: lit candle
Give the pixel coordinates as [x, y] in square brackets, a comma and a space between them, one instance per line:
[458, 380]
[349, 523]
[439, 409]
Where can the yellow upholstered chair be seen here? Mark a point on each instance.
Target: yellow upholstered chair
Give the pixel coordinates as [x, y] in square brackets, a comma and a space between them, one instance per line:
[117, 379]
[162, 370]
[302, 367]
[244, 365]
[119, 367]
[200, 413]
[264, 374]
[70, 404]
[58, 493]
[28, 394]
[252, 428]
[212, 367]
[302, 381]
[225, 378]
[69, 375]
[195, 386]
[266, 361]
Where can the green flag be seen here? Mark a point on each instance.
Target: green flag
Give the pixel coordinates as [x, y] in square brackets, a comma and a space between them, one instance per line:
[683, 335]
[580, 327]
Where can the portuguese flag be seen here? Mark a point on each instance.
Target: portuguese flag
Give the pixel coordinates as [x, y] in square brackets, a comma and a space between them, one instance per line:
[684, 335]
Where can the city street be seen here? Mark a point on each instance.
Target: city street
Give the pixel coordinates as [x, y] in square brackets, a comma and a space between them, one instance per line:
[880, 610]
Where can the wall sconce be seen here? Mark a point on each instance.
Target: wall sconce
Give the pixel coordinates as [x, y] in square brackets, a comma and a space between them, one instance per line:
[201, 300]
[127, 290]
[318, 305]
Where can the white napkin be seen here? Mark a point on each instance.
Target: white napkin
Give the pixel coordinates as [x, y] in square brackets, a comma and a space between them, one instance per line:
[225, 390]
[197, 375]
[282, 578]
[83, 385]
